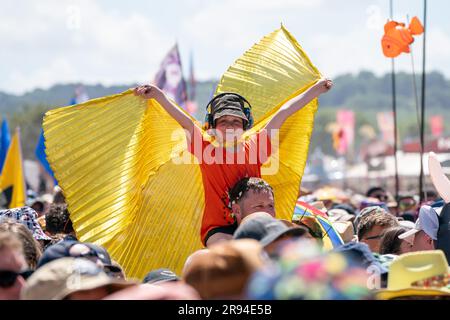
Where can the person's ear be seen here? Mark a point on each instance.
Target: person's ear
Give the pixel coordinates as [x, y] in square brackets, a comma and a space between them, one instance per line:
[236, 209]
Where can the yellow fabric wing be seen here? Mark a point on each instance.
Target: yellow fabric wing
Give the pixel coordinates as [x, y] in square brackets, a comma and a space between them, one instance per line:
[273, 71]
[117, 160]
[112, 158]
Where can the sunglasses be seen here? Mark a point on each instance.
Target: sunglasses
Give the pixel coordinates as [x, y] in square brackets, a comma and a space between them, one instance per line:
[8, 278]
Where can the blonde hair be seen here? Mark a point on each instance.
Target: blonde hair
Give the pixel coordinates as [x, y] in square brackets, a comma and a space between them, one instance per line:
[8, 240]
[30, 246]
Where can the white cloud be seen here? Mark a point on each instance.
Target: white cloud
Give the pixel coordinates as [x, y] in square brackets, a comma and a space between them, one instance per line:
[60, 42]
[438, 43]
[113, 42]
[45, 76]
[220, 31]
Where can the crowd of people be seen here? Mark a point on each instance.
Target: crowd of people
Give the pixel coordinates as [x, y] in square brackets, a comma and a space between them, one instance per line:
[339, 244]
[391, 249]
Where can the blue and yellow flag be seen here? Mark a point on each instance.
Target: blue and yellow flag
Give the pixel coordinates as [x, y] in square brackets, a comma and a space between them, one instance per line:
[12, 180]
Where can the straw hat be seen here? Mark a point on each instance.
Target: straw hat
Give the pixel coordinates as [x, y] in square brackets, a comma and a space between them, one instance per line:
[59, 278]
[422, 273]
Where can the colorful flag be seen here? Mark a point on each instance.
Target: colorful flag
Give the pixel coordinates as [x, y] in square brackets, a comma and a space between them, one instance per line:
[170, 78]
[5, 140]
[12, 180]
[437, 125]
[386, 125]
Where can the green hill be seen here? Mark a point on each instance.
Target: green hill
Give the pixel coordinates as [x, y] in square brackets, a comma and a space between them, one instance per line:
[365, 93]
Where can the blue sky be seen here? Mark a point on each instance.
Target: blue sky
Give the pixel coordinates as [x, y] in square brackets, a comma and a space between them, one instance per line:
[118, 42]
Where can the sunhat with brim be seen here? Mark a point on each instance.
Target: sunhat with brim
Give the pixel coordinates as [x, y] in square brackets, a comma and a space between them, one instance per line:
[59, 278]
[228, 105]
[230, 111]
[335, 215]
[28, 217]
[422, 273]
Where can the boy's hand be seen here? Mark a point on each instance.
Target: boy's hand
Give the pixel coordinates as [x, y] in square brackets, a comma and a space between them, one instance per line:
[148, 92]
[323, 85]
[153, 92]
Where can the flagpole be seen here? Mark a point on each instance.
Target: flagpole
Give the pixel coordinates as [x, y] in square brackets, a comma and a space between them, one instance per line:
[422, 116]
[394, 110]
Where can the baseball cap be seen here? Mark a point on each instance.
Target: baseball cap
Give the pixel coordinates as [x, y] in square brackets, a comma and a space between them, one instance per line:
[266, 229]
[59, 278]
[160, 276]
[428, 221]
[63, 248]
[407, 224]
[228, 105]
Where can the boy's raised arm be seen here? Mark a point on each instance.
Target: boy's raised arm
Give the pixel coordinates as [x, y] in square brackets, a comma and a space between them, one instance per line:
[153, 92]
[298, 102]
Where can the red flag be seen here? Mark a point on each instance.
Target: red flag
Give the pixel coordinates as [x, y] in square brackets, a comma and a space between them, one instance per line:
[346, 122]
[437, 125]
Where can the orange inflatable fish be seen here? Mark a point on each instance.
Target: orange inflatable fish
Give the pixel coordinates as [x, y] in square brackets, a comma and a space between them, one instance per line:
[397, 37]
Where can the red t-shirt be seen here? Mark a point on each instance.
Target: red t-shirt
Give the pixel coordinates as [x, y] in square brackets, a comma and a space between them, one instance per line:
[222, 169]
